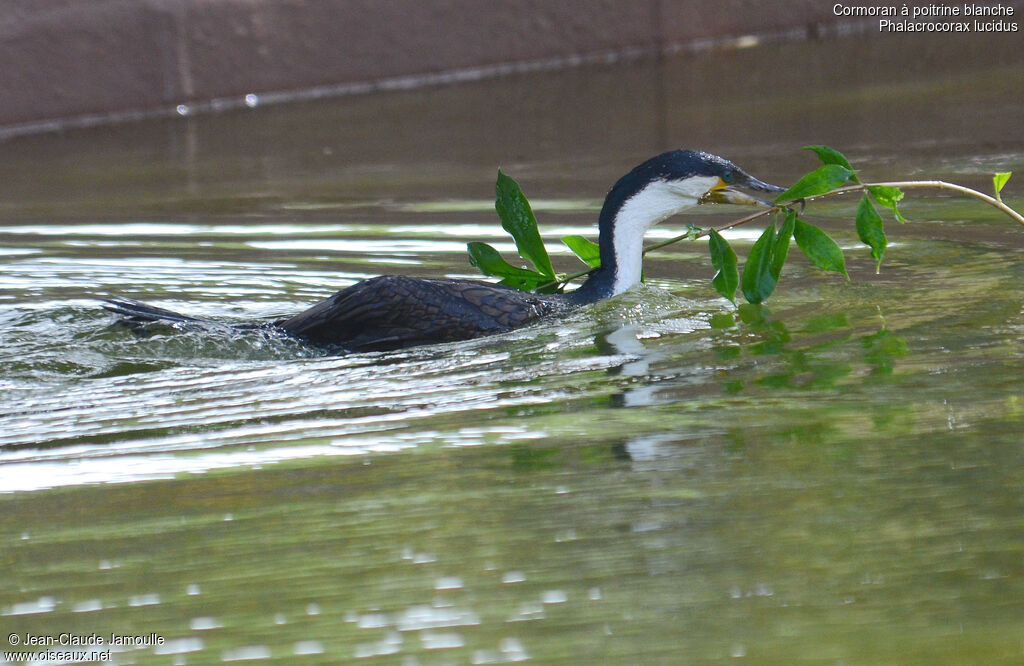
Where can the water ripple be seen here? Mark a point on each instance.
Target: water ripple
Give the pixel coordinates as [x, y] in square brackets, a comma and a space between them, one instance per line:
[188, 402]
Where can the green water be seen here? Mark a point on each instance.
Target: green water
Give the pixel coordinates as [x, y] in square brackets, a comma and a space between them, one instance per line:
[837, 477]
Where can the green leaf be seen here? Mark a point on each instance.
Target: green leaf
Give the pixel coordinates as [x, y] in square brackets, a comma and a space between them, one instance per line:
[489, 261]
[823, 179]
[832, 156]
[780, 247]
[998, 180]
[764, 263]
[723, 258]
[819, 248]
[587, 250]
[889, 197]
[870, 231]
[517, 218]
[758, 282]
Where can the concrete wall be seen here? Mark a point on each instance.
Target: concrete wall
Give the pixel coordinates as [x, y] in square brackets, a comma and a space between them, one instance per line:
[62, 59]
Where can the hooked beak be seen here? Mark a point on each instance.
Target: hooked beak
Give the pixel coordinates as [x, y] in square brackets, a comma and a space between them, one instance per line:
[728, 193]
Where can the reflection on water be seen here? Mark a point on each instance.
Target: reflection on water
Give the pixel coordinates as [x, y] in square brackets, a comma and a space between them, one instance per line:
[834, 477]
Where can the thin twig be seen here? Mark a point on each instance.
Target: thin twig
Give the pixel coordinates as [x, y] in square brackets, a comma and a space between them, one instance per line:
[734, 223]
[860, 187]
[939, 185]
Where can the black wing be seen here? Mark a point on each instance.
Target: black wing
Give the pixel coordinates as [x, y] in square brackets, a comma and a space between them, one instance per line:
[394, 311]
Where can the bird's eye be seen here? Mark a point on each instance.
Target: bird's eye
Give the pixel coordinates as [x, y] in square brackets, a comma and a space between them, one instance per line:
[727, 177]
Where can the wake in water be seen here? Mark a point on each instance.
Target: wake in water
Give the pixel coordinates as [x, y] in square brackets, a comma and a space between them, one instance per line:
[77, 339]
[57, 341]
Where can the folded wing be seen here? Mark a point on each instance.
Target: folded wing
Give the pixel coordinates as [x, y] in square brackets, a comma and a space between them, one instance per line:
[394, 311]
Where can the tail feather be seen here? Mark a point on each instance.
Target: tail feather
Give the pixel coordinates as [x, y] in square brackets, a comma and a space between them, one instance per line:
[143, 312]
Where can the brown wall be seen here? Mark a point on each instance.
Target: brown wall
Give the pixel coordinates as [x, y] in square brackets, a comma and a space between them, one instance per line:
[74, 58]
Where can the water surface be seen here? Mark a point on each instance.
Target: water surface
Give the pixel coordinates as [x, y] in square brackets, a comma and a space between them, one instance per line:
[659, 478]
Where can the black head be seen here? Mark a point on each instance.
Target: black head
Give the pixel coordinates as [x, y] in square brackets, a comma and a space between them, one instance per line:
[680, 179]
[663, 186]
[681, 166]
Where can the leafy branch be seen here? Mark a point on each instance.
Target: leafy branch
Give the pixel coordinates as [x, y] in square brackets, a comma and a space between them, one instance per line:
[764, 263]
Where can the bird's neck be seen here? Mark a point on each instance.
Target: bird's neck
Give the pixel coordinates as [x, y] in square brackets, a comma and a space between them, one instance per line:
[626, 215]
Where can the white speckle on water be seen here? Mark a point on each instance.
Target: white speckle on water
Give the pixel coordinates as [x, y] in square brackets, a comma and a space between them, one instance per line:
[193, 590]
[313, 609]
[594, 594]
[513, 577]
[424, 558]
[554, 597]
[512, 650]
[418, 618]
[279, 618]
[88, 606]
[486, 657]
[448, 583]
[528, 611]
[738, 650]
[204, 623]
[308, 647]
[228, 517]
[373, 621]
[40, 605]
[180, 646]
[144, 600]
[183, 110]
[646, 526]
[391, 644]
[251, 100]
[106, 565]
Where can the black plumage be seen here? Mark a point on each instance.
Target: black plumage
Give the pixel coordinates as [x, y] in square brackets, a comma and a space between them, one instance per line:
[394, 311]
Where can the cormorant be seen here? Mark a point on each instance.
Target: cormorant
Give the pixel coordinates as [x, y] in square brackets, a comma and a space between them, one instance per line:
[396, 311]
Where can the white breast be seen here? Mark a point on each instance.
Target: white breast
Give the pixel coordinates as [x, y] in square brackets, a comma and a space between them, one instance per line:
[659, 200]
